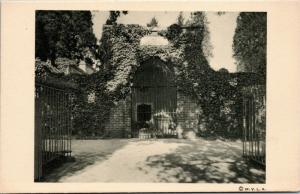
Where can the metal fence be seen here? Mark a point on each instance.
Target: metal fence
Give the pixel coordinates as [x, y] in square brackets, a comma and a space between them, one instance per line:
[158, 126]
[53, 125]
[166, 125]
[253, 136]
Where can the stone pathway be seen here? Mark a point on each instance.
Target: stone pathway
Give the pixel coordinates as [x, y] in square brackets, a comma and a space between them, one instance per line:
[161, 160]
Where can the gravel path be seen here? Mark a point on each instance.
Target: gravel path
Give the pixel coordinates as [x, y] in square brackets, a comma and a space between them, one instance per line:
[161, 160]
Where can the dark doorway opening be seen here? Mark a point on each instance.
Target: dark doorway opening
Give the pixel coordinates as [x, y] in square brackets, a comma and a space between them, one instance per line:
[144, 113]
[153, 95]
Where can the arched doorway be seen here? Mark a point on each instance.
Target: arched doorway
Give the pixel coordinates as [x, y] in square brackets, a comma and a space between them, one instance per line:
[154, 97]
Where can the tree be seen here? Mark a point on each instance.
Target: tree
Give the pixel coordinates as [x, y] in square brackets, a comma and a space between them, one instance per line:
[249, 44]
[180, 19]
[199, 19]
[153, 23]
[220, 13]
[113, 17]
[63, 34]
[213, 90]
[173, 32]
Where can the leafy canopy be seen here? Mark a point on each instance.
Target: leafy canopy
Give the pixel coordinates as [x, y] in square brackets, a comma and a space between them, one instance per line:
[153, 23]
[113, 17]
[63, 34]
[249, 44]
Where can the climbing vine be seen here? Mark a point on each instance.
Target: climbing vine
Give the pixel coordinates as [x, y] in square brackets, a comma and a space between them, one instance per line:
[216, 92]
[118, 47]
[121, 54]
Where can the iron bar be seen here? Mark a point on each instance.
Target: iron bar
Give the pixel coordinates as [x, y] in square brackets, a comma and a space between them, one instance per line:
[52, 125]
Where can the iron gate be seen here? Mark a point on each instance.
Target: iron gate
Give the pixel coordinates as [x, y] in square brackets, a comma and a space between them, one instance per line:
[53, 124]
[253, 135]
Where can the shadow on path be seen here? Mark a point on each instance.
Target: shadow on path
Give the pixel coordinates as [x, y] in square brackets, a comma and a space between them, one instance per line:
[86, 153]
[207, 162]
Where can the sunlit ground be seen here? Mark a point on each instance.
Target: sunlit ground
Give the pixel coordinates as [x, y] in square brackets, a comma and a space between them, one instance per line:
[160, 160]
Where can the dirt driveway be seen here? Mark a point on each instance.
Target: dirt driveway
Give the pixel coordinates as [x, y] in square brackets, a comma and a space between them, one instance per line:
[160, 160]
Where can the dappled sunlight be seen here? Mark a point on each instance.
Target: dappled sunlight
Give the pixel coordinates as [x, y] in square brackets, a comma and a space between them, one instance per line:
[205, 161]
[160, 160]
[86, 153]
[81, 162]
[122, 165]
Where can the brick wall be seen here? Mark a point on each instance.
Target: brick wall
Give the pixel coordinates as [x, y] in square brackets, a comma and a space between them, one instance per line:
[119, 122]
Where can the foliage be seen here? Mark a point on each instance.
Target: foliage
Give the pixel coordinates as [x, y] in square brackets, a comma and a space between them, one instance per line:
[196, 24]
[122, 54]
[90, 117]
[258, 93]
[249, 43]
[173, 32]
[118, 49]
[63, 34]
[180, 19]
[118, 46]
[220, 13]
[153, 23]
[200, 18]
[45, 72]
[42, 69]
[190, 50]
[167, 54]
[113, 16]
[215, 92]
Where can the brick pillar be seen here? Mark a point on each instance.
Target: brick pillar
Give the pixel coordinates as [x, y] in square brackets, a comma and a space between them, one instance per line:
[187, 115]
[119, 122]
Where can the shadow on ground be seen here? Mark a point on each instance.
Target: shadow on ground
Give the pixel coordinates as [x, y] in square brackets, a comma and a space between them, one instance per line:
[160, 160]
[83, 157]
[207, 162]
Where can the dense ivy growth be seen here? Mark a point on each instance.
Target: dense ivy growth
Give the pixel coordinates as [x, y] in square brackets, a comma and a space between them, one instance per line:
[90, 114]
[118, 47]
[121, 54]
[63, 34]
[250, 42]
[216, 91]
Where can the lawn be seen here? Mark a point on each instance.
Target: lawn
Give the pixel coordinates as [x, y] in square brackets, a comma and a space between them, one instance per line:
[159, 160]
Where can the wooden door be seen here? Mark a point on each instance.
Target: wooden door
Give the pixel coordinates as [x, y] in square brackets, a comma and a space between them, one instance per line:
[153, 87]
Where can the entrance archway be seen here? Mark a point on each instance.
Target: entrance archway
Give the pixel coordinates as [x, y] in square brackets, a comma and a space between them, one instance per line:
[154, 97]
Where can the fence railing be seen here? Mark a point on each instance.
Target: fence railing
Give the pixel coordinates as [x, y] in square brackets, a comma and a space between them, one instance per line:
[254, 143]
[53, 125]
[161, 125]
[166, 125]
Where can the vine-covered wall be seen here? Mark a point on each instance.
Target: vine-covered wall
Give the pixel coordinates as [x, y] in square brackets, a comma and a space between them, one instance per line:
[215, 92]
